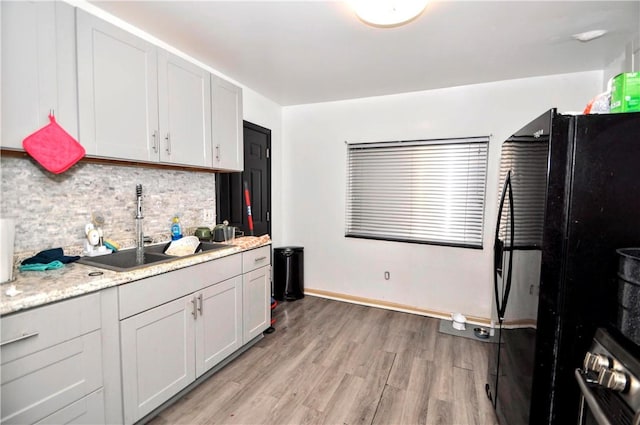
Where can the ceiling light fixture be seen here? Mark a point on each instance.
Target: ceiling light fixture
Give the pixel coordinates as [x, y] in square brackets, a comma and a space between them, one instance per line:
[387, 13]
[589, 35]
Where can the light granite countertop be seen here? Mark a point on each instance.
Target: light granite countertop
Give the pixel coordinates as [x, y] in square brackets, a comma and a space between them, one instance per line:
[37, 288]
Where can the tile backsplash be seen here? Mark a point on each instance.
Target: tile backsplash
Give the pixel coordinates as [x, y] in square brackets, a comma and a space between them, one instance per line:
[52, 210]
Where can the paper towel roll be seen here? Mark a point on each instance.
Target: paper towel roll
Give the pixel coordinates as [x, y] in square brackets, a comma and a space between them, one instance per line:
[7, 238]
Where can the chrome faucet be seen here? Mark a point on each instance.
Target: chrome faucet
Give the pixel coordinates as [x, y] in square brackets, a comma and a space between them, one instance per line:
[139, 230]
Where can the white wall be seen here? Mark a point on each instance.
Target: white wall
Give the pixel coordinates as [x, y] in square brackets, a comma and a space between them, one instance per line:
[313, 161]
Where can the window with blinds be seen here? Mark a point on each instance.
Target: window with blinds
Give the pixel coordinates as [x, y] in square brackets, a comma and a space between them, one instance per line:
[425, 191]
[526, 157]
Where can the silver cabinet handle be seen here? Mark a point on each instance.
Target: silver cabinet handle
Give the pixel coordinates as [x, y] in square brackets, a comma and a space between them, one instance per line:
[260, 259]
[25, 335]
[168, 140]
[218, 153]
[194, 302]
[154, 136]
[200, 304]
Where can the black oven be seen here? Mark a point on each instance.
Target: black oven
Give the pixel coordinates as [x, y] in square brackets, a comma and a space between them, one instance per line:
[609, 382]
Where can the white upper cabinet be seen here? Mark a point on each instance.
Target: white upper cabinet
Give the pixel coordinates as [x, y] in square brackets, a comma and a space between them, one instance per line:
[38, 68]
[117, 91]
[185, 111]
[139, 102]
[226, 100]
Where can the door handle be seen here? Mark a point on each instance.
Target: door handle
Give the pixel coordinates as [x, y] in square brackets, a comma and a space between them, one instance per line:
[498, 254]
[260, 259]
[194, 312]
[168, 140]
[200, 304]
[507, 289]
[218, 153]
[154, 136]
[25, 335]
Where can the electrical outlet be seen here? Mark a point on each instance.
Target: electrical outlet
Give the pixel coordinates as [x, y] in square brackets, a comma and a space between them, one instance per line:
[208, 216]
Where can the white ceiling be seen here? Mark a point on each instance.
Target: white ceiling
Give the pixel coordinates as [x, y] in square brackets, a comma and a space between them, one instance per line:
[296, 52]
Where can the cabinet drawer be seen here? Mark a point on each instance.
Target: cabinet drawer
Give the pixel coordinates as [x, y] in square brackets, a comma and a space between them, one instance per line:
[256, 258]
[34, 330]
[37, 385]
[87, 410]
[141, 295]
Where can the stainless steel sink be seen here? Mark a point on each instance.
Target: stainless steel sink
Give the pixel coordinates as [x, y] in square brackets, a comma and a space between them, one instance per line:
[126, 260]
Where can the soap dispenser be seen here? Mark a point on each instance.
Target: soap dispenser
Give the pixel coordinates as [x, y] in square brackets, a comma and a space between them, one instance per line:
[176, 229]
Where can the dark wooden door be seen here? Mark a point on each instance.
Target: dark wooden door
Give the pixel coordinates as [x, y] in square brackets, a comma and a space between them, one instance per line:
[230, 203]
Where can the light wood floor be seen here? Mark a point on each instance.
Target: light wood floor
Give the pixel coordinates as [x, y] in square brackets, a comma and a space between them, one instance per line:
[337, 363]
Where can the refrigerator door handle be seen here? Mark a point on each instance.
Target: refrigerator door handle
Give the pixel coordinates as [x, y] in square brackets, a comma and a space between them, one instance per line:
[510, 262]
[498, 247]
[498, 252]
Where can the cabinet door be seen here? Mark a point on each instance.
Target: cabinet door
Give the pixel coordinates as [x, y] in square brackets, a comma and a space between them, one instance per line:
[42, 382]
[157, 356]
[87, 410]
[117, 91]
[256, 302]
[219, 326]
[38, 68]
[226, 106]
[184, 93]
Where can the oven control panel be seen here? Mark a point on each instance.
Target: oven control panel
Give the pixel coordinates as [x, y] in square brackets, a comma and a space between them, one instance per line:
[600, 368]
[608, 367]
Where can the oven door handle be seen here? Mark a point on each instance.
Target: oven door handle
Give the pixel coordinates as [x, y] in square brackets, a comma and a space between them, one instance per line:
[595, 408]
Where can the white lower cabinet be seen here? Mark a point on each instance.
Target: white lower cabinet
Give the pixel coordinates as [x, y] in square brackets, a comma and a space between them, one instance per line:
[166, 348]
[219, 325]
[157, 356]
[52, 363]
[176, 326]
[87, 410]
[256, 297]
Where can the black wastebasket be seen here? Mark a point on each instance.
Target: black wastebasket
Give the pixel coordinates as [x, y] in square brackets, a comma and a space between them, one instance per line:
[288, 273]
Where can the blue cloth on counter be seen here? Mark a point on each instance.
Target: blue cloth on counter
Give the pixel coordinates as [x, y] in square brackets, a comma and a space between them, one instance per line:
[40, 267]
[49, 255]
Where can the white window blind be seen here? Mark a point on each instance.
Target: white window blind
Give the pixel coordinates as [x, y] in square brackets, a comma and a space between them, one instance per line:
[426, 191]
[526, 157]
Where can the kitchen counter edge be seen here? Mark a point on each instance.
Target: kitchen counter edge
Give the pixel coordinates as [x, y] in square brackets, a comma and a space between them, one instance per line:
[38, 288]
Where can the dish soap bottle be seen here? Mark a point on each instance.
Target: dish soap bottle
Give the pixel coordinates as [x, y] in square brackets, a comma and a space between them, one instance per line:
[176, 229]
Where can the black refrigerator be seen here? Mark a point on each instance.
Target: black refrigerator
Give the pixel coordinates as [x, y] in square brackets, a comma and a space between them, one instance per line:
[570, 196]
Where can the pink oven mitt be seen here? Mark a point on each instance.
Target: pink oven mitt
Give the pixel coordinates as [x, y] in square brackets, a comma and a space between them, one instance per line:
[55, 149]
